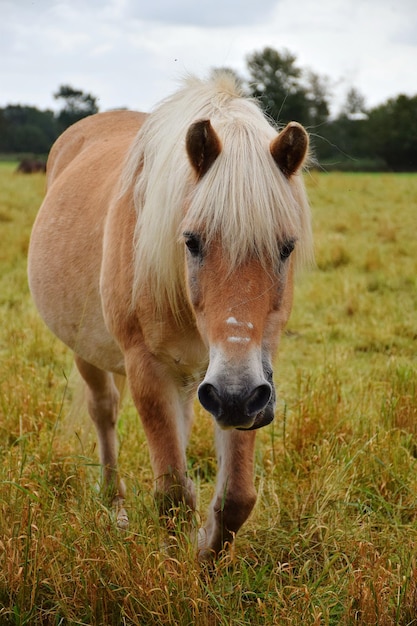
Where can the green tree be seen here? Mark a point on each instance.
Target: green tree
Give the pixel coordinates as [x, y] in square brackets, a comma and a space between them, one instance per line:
[77, 105]
[343, 142]
[392, 132]
[286, 91]
[275, 80]
[26, 129]
[354, 106]
[317, 98]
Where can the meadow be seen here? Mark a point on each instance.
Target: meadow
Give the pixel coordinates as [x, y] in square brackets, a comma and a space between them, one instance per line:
[333, 538]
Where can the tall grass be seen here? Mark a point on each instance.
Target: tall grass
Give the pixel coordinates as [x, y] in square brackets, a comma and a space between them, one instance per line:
[333, 537]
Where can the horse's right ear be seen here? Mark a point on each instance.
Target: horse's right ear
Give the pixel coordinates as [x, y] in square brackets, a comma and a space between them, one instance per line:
[203, 146]
[289, 148]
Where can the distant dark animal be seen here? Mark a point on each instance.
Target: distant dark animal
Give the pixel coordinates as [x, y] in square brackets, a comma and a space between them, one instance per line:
[175, 268]
[31, 166]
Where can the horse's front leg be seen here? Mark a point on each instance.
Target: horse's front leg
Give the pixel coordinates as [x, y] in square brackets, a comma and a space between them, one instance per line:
[166, 417]
[235, 494]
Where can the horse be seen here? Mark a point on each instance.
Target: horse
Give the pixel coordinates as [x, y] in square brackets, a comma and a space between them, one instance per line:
[31, 166]
[165, 251]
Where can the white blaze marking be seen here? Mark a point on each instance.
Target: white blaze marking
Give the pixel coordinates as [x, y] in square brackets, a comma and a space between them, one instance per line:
[232, 321]
[233, 339]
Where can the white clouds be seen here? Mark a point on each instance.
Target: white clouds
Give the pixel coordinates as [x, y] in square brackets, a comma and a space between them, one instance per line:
[354, 43]
[204, 13]
[132, 53]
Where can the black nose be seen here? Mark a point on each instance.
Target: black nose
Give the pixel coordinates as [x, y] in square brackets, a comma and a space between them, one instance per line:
[234, 409]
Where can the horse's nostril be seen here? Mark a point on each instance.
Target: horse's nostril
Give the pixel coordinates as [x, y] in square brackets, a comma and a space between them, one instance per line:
[258, 399]
[210, 399]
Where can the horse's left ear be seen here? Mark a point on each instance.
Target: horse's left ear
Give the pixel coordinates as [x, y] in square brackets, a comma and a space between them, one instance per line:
[289, 148]
[203, 146]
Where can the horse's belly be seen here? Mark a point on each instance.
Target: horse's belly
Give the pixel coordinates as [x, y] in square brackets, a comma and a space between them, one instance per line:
[64, 269]
[79, 324]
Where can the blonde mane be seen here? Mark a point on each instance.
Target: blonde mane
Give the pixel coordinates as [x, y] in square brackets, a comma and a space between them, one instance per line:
[243, 197]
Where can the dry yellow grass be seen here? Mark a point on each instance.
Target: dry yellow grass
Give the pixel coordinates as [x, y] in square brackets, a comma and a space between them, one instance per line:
[333, 537]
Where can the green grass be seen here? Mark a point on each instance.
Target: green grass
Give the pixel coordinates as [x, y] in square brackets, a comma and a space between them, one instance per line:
[334, 534]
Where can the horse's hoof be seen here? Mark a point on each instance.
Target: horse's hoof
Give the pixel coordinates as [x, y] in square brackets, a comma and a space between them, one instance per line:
[122, 520]
[205, 555]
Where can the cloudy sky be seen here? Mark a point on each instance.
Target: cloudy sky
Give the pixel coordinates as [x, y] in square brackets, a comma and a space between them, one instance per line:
[133, 52]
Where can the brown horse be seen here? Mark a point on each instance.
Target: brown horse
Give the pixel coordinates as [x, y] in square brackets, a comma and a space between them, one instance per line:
[165, 250]
[31, 166]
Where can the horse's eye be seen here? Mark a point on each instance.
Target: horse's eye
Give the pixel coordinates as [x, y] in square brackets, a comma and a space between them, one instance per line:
[193, 243]
[286, 248]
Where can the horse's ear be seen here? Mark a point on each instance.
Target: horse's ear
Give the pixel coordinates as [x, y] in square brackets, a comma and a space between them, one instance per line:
[203, 146]
[289, 148]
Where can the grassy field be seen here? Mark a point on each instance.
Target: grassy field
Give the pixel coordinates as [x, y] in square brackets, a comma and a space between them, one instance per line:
[333, 539]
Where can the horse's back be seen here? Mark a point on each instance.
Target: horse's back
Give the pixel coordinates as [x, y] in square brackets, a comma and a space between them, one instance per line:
[90, 137]
[66, 248]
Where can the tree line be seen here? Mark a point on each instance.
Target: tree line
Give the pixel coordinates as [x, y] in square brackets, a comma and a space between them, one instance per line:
[28, 130]
[357, 138]
[382, 138]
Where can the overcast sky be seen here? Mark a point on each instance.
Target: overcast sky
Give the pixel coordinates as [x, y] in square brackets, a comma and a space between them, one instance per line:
[133, 52]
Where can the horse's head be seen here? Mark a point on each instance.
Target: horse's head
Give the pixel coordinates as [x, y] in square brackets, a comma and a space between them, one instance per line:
[241, 297]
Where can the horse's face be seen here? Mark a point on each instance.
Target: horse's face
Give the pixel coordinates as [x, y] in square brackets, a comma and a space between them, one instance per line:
[239, 312]
[240, 315]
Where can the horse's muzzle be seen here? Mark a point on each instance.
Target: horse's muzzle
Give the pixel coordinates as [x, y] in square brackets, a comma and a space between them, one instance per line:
[244, 410]
[263, 418]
